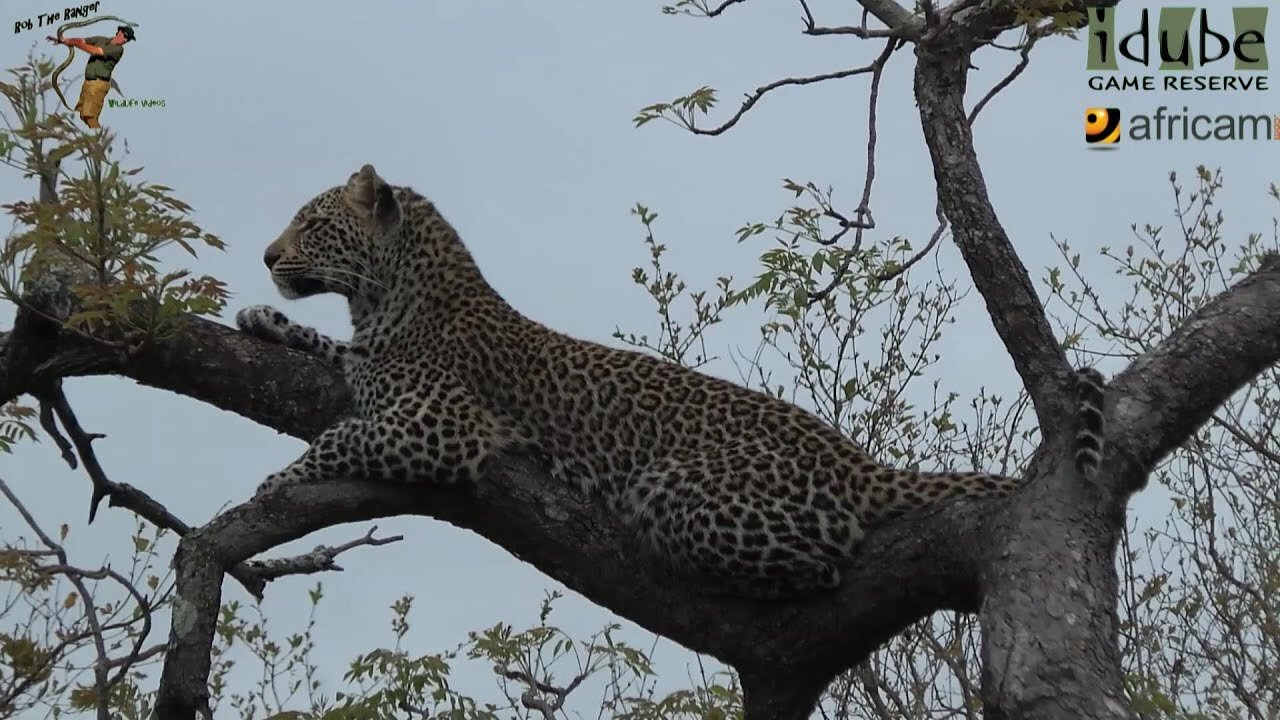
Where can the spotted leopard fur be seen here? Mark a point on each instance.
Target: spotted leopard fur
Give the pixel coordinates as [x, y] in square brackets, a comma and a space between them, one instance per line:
[750, 493]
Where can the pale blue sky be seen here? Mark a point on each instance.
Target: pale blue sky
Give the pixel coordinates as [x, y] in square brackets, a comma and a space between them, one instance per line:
[515, 118]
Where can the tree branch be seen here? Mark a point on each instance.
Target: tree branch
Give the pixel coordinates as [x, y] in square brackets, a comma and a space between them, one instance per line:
[253, 576]
[1172, 390]
[704, 8]
[864, 219]
[894, 16]
[763, 90]
[811, 27]
[577, 542]
[905, 571]
[323, 557]
[534, 697]
[1049, 620]
[979, 21]
[997, 271]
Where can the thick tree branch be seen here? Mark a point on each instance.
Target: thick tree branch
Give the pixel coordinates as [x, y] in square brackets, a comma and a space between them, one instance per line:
[998, 273]
[893, 15]
[811, 27]
[905, 572]
[1050, 630]
[978, 21]
[1050, 647]
[1049, 618]
[573, 540]
[79, 450]
[1172, 390]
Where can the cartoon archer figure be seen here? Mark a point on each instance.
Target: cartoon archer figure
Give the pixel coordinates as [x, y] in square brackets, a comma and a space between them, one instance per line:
[104, 52]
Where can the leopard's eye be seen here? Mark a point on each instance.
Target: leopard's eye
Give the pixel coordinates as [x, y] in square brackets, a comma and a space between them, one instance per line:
[315, 223]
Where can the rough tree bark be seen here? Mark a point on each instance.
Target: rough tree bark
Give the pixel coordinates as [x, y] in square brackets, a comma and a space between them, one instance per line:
[906, 572]
[1039, 567]
[1049, 626]
[1049, 611]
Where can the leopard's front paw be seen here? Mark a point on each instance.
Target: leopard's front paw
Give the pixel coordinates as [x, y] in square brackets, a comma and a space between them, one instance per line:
[264, 322]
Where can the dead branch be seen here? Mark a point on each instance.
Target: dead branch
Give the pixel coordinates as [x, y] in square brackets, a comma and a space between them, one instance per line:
[103, 679]
[869, 177]
[704, 9]
[321, 558]
[763, 90]
[253, 576]
[811, 27]
[534, 699]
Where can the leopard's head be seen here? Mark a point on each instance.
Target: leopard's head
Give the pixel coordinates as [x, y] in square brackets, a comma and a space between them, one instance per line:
[339, 241]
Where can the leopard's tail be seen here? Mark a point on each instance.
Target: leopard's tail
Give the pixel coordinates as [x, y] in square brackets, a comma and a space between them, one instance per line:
[1090, 427]
[891, 493]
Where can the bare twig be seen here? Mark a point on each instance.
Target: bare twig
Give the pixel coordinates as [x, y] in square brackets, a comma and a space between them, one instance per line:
[54, 653]
[700, 8]
[1247, 440]
[533, 697]
[763, 90]
[864, 206]
[811, 27]
[1023, 62]
[103, 680]
[140, 656]
[871, 685]
[252, 575]
[319, 559]
[723, 6]
[50, 426]
[938, 232]
[135, 655]
[83, 442]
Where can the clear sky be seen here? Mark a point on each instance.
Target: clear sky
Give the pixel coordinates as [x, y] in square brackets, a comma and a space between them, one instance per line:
[514, 116]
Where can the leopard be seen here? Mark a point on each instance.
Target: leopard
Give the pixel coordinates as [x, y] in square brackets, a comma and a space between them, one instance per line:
[747, 494]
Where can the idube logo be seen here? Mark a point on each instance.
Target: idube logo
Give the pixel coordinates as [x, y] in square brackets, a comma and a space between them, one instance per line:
[1233, 52]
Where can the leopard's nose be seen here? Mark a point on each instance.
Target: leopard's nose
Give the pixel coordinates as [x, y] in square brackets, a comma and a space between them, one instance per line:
[270, 257]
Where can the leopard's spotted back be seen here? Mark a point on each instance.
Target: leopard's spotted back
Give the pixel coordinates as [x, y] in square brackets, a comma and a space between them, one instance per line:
[724, 482]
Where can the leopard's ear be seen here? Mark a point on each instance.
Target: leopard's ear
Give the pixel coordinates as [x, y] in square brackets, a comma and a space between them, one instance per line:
[371, 197]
